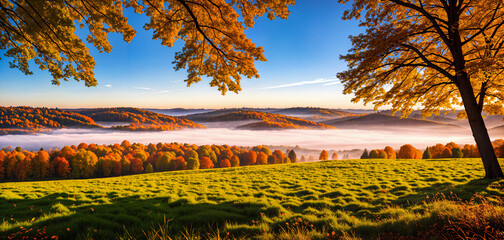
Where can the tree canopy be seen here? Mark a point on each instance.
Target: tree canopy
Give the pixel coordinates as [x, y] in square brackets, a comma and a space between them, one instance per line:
[433, 54]
[44, 33]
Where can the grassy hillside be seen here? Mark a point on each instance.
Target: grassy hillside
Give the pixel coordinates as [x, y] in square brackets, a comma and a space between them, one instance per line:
[265, 120]
[139, 119]
[29, 119]
[324, 200]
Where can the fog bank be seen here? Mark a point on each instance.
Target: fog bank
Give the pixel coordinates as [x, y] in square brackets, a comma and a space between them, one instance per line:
[340, 139]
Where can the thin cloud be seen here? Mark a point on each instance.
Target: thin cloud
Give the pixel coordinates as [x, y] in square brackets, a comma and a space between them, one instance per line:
[108, 85]
[328, 81]
[332, 83]
[143, 88]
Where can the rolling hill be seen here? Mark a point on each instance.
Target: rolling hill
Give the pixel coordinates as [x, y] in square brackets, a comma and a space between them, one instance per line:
[138, 119]
[312, 111]
[264, 120]
[384, 120]
[19, 120]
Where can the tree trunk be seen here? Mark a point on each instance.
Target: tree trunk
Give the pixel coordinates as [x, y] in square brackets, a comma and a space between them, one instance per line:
[478, 128]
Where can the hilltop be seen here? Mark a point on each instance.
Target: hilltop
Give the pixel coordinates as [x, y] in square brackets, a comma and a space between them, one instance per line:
[138, 119]
[263, 120]
[385, 120]
[313, 111]
[16, 120]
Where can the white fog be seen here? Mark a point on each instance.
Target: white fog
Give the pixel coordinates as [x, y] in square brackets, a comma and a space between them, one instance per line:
[341, 139]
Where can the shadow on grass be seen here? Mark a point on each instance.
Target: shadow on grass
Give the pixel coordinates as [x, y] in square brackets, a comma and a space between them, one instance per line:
[68, 219]
[461, 191]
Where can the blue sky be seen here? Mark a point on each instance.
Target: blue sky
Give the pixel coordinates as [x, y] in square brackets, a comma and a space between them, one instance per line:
[303, 59]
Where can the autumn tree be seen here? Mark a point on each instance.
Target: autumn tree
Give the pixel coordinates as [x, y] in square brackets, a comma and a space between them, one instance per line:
[426, 154]
[83, 164]
[60, 167]
[324, 155]
[391, 154]
[213, 31]
[373, 154]
[447, 153]
[457, 153]
[40, 165]
[224, 163]
[206, 163]
[136, 165]
[365, 154]
[334, 156]
[250, 158]
[262, 158]
[407, 152]
[193, 163]
[235, 161]
[437, 54]
[293, 157]
[2, 168]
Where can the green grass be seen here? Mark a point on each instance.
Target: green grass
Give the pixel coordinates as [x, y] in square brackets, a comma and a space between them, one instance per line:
[331, 199]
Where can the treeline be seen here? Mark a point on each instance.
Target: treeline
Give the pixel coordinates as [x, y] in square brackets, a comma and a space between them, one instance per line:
[139, 119]
[449, 150]
[269, 120]
[85, 161]
[36, 119]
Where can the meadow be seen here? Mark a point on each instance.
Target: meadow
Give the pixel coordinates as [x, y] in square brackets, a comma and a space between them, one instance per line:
[348, 199]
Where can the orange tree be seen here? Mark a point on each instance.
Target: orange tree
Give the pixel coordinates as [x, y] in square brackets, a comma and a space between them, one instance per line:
[437, 54]
[213, 31]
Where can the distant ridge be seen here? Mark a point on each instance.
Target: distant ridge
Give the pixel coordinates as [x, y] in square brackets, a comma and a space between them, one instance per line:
[266, 120]
[139, 119]
[385, 120]
[19, 120]
[324, 112]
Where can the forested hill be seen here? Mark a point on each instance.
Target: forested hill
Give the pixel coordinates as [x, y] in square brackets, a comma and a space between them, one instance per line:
[323, 112]
[138, 119]
[29, 119]
[266, 120]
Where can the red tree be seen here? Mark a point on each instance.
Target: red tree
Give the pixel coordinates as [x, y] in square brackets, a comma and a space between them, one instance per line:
[224, 163]
[136, 165]
[262, 158]
[206, 163]
[407, 152]
[60, 167]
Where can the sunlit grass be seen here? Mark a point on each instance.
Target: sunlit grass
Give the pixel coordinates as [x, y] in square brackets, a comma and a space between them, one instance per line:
[332, 199]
